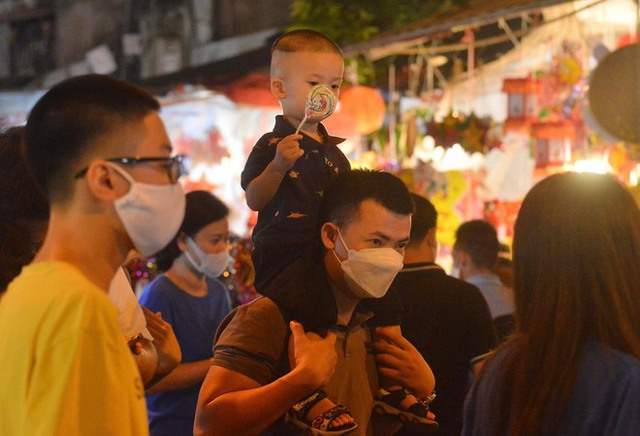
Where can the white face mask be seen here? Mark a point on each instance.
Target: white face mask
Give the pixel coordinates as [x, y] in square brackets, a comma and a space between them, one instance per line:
[151, 214]
[370, 271]
[211, 264]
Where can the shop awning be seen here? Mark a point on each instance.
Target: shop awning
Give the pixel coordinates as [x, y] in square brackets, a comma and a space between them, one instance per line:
[476, 13]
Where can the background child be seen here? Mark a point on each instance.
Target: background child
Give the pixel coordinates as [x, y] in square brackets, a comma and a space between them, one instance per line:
[284, 178]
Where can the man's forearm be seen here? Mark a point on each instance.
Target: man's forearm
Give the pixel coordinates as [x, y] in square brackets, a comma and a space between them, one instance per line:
[248, 411]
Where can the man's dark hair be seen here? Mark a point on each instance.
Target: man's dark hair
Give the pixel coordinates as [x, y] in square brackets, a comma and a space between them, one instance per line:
[341, 201]
[69, 121]
[424, 218]
[202, 208]
[479, 239]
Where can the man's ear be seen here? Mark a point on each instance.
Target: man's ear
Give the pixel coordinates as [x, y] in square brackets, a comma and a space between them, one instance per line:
[328, 234]
[432, 243]
[431, 238]
[463, 258]
[100, 181]
[277, 88]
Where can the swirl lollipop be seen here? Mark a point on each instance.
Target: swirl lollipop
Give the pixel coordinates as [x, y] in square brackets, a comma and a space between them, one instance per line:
[320, 104]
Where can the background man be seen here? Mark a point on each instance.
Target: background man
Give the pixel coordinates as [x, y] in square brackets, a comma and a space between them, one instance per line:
[475, 255]
[446, 319]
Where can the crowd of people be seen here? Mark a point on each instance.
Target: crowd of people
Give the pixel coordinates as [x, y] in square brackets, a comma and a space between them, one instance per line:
[356, 323]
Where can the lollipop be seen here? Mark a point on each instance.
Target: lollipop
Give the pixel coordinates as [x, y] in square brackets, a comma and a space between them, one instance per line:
[320, 104]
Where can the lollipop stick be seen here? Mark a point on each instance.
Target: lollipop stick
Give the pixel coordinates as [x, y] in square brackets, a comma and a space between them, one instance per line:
[304, 120]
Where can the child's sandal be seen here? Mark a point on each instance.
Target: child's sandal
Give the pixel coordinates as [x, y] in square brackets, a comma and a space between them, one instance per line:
[389, 403]
[321, 424]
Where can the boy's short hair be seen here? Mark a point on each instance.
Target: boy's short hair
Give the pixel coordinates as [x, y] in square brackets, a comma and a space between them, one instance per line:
[70, 120]
[298, 41]
[424, 218]
[305, 40]
[341, 201]
[479, 239]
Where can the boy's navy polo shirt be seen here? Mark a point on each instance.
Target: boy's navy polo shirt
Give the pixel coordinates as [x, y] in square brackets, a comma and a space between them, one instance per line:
[294, 208]
[288, 223]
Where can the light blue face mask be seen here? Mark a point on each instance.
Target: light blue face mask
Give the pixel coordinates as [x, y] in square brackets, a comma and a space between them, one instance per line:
[210, 264]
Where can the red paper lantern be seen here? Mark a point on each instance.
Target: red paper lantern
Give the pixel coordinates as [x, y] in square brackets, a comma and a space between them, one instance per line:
[627, 39]
[252, 90]
[253, 96]
[341, 124]
[365, 106]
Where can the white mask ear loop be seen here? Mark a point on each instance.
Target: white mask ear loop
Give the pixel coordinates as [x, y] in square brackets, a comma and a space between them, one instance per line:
[344, 245]
[125, 175]
[191, 243]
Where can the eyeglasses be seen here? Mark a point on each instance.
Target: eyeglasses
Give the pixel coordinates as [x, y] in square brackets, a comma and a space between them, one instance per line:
[175, 166]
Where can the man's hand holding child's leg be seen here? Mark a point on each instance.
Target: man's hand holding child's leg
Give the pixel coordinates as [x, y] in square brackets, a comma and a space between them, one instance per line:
[320, 353]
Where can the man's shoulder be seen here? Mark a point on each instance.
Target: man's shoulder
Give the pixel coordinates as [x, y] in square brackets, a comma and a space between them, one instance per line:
[462, 286]
[262, 306]
[57, 281]
[55, 300]
[485, 281]
[252, 340]
[261, 316]
[438, 280]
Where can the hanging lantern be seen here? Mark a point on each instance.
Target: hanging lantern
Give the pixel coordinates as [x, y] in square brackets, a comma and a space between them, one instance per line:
[627, 39]
[253, 90]
[613, 90]
[341, 124]
[365, 106]
[253, 96]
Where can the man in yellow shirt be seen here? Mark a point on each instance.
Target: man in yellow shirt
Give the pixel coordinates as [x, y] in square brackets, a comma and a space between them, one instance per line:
[99, 149]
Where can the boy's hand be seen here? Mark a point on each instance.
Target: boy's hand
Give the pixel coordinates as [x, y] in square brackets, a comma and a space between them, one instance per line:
[288, 152]
[314, 355]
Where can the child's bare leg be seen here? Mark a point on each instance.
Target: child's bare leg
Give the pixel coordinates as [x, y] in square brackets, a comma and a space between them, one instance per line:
[324, 404]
